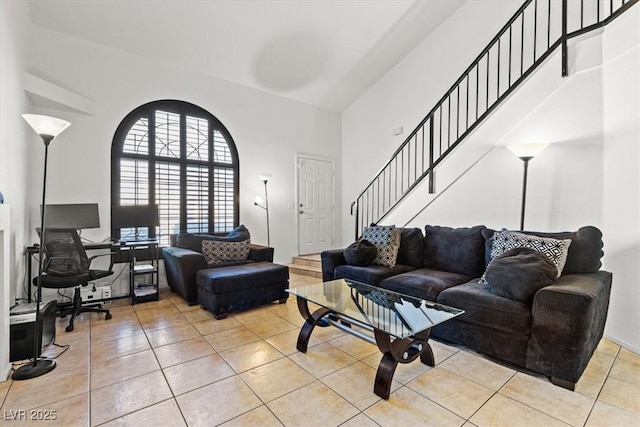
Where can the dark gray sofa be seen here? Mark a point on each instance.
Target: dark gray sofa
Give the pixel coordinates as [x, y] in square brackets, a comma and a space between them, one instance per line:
[555, 335]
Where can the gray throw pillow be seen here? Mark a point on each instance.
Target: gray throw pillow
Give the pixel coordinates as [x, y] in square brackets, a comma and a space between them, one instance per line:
[216, 252]
[519, 273]
[360, 253]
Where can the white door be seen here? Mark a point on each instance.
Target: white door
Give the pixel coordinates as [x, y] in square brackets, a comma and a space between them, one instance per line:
[315, 205]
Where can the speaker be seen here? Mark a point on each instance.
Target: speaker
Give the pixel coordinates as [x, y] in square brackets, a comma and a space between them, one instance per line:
[22, 321]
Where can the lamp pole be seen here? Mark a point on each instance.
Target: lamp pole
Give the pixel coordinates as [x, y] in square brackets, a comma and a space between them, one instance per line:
[525, 152]
[264, 178]
[48, 128]
[524, 189]
[266, 208]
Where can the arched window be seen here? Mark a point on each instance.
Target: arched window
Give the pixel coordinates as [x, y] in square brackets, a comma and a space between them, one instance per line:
[180, 157]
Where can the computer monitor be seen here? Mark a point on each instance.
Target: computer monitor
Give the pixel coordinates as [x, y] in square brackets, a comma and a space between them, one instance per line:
[131, 216]
[76, 216]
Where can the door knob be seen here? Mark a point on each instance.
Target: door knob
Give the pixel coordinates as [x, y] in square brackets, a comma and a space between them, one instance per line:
[301, 211]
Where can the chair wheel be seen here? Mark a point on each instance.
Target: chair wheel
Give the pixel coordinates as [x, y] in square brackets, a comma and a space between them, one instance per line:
[107, 316]
[69, 328]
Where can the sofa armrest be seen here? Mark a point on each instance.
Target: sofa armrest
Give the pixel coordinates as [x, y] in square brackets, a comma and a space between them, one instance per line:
[330, 260]
[568, 320]
[260, 253]
[181, 266]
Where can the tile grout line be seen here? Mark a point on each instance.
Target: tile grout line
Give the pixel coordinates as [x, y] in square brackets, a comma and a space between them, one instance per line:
[490, 397]
[319, 380]
[535, 409]
[597, 398]
[173, 396]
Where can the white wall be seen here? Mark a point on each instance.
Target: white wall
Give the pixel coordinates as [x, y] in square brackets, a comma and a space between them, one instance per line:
[15, 135]
[268, 130]
[621, 159]
[407, 93]
[14, 138]
[588, 176]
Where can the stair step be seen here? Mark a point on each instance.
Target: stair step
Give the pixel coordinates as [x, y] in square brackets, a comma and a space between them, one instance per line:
[308, 260]
[305, 270]
[306, 265]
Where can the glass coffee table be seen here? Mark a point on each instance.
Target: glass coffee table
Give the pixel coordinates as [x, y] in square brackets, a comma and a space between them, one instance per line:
[398, 324]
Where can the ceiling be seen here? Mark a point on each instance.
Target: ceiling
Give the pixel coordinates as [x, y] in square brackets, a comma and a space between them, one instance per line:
[324, 53]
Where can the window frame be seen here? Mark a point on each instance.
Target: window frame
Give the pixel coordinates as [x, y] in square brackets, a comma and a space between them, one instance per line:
[183, 109]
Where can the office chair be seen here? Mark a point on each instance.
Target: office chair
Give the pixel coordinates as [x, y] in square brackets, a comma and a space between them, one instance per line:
[66, 265]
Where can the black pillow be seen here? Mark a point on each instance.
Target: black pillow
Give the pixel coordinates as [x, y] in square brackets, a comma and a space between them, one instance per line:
[519, 273]
[360, 253]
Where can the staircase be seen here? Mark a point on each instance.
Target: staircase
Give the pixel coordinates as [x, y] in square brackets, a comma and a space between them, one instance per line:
[306, 265]
[526, 41]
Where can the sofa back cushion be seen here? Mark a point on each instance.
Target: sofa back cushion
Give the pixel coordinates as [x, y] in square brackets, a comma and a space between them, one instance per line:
[194, 241]
[455, 250]
[411, 249]
[585, 252]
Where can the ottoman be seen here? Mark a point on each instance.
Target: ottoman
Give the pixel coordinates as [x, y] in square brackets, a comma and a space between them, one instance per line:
[223, 290]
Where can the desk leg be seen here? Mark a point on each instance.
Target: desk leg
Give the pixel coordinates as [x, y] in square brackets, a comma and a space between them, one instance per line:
[398, 351]
[29, 271]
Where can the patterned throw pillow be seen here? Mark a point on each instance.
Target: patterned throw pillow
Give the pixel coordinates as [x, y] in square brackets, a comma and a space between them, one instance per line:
[216, 252]
[387, 242]
[556, 250]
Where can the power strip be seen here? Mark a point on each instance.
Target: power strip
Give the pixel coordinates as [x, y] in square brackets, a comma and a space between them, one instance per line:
[93, 293]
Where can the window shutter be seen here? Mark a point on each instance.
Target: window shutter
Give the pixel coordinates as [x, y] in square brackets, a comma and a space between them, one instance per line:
[193, 179]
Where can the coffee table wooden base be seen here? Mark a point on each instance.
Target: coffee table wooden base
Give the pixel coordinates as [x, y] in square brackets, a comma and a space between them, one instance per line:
[394, 350]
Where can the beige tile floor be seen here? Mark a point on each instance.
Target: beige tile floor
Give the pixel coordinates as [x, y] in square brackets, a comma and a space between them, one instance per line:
[168, 364]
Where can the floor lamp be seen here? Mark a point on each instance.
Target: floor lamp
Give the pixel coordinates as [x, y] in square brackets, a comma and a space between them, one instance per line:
[259, 202]
[48, 128]
[526, 152]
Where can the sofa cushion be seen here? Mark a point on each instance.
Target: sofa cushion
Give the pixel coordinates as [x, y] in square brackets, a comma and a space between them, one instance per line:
[423, 283]
[371, 274]
[483, 307]
[555, 249]
[519, 273]
[585, 252]
[411, 248]
[231, 279]
[230, 263]
[386, 238]
[456, 250]
[360, 253]
[194, 241]
[216, 252]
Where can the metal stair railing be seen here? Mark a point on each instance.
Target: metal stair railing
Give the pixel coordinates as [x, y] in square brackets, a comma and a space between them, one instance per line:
[532, 34]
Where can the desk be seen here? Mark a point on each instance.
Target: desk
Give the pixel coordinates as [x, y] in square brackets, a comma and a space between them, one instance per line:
[123, 252]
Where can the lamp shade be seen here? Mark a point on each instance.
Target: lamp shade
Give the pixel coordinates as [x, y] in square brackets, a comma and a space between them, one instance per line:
[264, 177]
[45, 125]
[527, 150]
[258, 200]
